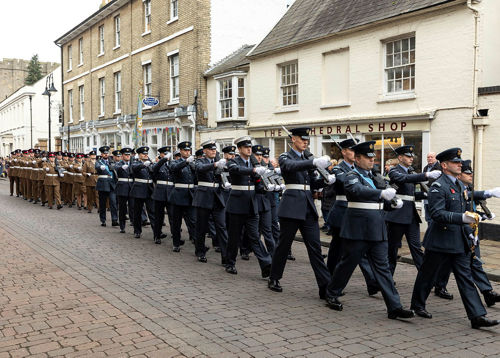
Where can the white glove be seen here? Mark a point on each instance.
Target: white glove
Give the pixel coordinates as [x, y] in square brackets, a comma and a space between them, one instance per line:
[47, 169]
[71, 166]
[492, 216]
[103, 167]
[283, 186]
[125, 167]
[227, 185]
[434, 174]
[467, 219]
[485, 217]
[88, 174]
[323, 162]
[277, 171]
[399, 204]
[474, 239]
[79, 168]
[62, 175]
[388, 194]
[34, 162]
[190, 159]
[15, 160]
[260, 170]
[44, 159]
[147, 163]
[221, 163]
[331, 179]
[271, 187]
[493, 192]
[168, 156]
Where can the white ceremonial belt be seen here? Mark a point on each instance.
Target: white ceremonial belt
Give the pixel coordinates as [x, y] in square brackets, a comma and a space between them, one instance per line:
[406, 197]
[164, 182]
[243, 187]
[102, 176]
[296, 187]
[70, 173]
[369, 206]
[125, 180]
[79, 174]
[184, 186]
[341, 198]
[208, 184]
[51, 175]
[144, 181]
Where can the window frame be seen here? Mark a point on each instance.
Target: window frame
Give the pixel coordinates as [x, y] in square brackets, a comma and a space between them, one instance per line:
[102, 96]
[174, 77]
[118, 91]
[101, 40]
[239, 98]
[225, 98]
[70, 57]
[174, 10]
[146, 16]
[70, 105]
[145, 73]
[81, 96]
[117, 22]
[80, 51]
[401, 67]
[288, 87]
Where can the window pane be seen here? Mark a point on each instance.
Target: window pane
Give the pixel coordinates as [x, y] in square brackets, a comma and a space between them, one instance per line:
[390, 86]
[397, 46]
[412, 43]
[388, 62]
[389, 48]
[405, 44]
[412, 56]
[406, 84]
[397, 59]
[390, 74]
[405, 58]
[406, 71]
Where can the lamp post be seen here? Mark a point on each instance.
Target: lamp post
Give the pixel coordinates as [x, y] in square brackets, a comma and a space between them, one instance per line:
[49, 89]
[31, 120]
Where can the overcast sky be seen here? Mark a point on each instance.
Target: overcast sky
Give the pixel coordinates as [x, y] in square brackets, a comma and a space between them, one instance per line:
[30, 27]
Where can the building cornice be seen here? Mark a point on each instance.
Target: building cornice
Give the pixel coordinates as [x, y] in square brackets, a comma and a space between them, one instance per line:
[15, 98]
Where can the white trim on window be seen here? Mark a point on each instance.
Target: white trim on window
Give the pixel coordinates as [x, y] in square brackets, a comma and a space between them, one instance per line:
[80, 52]
[174, 11]
[117, 22]
[70, 58]
[118, 92]
[81, 94]
[147, 16]
[102, 96]
[174, 74]
[101, 41]
[70, 105]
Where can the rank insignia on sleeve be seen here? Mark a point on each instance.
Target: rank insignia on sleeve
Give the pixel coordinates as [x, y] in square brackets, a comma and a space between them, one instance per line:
[435, 191]
[353, 181]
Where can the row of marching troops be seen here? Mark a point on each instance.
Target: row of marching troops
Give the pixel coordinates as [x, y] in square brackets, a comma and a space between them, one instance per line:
[244, 196]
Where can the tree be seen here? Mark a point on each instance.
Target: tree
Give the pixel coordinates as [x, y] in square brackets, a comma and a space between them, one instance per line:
[34, 71]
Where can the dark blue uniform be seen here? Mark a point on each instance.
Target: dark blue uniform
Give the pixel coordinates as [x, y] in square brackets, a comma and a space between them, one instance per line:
[335, 218]
[123, 186]
[265, 217]
[161, 192]
[209, 202]
[298, 212]
[106, 185]
[364, 231]
[445, 243]
[181, 197]
[141, 191]
[405, 221]
[242, 211]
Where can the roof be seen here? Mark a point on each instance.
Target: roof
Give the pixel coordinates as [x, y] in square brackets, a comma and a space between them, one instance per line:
[308, 20]
[232, 62]
[90, 21]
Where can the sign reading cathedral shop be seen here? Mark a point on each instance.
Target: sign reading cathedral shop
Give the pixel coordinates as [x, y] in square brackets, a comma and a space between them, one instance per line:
[355, 128]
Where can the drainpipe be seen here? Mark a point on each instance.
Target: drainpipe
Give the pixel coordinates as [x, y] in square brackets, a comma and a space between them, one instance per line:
[478, 126]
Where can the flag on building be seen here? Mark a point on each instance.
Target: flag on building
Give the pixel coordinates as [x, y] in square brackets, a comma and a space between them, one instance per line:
[138, 121]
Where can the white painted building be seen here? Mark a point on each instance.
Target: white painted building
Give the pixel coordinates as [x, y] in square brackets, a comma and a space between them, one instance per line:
[24, 123]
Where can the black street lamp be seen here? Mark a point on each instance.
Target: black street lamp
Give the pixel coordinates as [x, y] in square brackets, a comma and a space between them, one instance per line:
[49, 88]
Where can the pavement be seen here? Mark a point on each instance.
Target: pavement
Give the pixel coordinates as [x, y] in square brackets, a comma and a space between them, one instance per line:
[69, 287]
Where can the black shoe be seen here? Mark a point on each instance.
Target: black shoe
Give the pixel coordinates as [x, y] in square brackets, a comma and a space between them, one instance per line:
[422, 312]
[137, 235]
[245, 257]
[30, 201]
[103, 224]
[126, 217]
[217, 249]
[70, 206]
[266, 271]
[79, 208]
[36, 202]
[290, 257]
[373, 290]
[202, 259]
[17, 195]
[491, 297]
[176, 249]
[59, 207]
[483, 321]
[115, 223]
[50, 207]
[324, 256]
[158, 241]
[274, 285]
[145, 223]
[401, 313]
[43, 204]
[182, 242]
[231, 270]
[334, 303]
[122, 231]
[443, 293]
[163, 236]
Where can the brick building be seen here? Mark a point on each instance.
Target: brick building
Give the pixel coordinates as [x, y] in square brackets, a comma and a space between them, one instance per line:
[159, 47]
[14, 71]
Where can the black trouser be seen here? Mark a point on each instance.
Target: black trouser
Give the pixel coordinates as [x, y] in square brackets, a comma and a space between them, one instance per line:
[461, 266]
[202, 225]
[480, 278]
[245, 245]
[160, 206]
[395, 234]
[235, 225]
[376, 252]
[265, 229]
[103, 197]
[335, 254]
[138, 205]
[309, 230]
[125, 205]
[179, 212]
